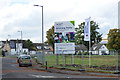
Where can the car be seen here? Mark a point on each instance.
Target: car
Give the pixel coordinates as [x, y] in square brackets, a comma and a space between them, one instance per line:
[19, 57]
[25, 60]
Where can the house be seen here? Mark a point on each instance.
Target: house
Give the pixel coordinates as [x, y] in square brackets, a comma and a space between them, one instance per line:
[38, 47]
[15, 47]
[104, 41]
[18, 46]
[80, 48]
[6, 46]
[99, 49]
[2, 44]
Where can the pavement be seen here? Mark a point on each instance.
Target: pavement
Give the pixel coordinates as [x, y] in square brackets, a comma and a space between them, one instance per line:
[64, 71]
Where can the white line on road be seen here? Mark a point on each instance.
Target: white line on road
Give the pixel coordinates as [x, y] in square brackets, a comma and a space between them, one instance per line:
[40, 76]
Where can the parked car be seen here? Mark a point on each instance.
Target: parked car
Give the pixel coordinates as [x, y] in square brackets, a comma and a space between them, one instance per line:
[24, 60]
[19, 57]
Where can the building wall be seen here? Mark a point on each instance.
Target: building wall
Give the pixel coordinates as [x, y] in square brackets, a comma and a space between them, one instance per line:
[95, 52]
[103, 49]
[32, 52]
[13, 51]
[6, 47]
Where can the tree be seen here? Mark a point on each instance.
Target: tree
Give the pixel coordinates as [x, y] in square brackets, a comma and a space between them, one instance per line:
[95, 35]
[114, 39]
[29, 44]
[50, 37]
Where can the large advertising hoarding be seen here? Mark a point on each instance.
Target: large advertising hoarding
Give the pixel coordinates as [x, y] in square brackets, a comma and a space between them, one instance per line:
[64, 37]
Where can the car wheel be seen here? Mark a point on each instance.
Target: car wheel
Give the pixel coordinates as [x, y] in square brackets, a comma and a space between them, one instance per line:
[30, 64]
[18, 61]
[20, 65]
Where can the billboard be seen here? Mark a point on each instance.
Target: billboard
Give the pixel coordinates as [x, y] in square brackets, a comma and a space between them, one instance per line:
[64, 37]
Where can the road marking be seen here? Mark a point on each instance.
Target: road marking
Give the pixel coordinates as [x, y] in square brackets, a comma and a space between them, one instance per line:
[40, 76]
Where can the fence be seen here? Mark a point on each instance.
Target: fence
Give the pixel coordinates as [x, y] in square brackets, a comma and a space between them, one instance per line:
[81, 60]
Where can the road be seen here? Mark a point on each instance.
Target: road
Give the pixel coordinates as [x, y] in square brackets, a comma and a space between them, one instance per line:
[10, 69]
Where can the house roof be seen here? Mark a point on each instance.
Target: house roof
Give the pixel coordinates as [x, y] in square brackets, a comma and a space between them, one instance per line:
[104, 41]
[80, 47]
[12, 43]
[96, 46]
[3, 42]
[39, 46]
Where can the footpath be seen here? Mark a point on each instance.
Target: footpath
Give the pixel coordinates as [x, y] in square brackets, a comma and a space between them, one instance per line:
[64, 71]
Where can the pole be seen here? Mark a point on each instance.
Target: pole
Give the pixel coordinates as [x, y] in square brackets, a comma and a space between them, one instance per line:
[89, 45]
[89, 54]
[42, 27]
[117, 61]
[9, 40]
[82, 59]
[57, 60]
[42, 35]
[72, 59]
[63, 60]
[21, 44]
[42, 31]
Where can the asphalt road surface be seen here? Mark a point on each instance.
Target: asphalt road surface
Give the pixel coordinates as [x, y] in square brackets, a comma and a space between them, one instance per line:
[11, 69]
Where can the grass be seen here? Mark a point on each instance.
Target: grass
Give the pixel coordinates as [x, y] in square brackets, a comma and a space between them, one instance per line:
[96, 60]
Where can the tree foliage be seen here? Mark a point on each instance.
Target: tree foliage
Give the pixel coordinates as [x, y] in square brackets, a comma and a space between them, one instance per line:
[114, 39]
[50, 37]
[79, 34]
[95, 35]
[29, 44]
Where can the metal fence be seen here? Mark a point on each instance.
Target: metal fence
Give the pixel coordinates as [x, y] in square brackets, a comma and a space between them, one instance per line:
[83, 60]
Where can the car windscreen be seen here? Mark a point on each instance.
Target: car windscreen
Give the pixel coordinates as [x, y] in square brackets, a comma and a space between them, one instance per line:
[25, 57]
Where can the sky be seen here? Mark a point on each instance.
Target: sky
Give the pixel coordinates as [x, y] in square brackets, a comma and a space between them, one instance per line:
[21, 15]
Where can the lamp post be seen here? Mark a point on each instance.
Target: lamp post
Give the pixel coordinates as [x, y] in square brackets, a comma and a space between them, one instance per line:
[9, 36]
[42, 28]
[42, 22]
[21, 42]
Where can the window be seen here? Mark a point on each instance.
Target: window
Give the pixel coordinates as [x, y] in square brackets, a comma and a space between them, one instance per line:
[46, 47]
[25, 57]
[38, 47]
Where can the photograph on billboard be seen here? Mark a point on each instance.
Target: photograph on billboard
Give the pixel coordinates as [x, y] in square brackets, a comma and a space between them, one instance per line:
[64, 37]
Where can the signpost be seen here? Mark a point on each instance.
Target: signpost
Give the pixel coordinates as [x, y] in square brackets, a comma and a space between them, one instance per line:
[64, 39]
[87, 36]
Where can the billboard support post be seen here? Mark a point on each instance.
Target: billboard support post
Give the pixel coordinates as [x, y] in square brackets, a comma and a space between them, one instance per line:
[63, 59]
[57, 60]
[72, 59]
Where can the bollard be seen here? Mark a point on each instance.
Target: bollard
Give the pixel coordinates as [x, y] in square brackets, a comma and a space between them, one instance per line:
[46, 65]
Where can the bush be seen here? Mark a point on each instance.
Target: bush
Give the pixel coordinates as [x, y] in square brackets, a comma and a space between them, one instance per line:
[25, 53]
[80, 53]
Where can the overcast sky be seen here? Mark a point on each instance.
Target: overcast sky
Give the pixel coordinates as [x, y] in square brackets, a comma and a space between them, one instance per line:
[21, 15]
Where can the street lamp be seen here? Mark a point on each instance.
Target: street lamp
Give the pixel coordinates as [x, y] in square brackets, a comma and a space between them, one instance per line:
[21, 41]
[42, 26]
[42, 23]
[9, 36]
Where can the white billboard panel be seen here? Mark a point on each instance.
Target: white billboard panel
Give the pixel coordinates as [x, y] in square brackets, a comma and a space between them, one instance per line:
[64, 37]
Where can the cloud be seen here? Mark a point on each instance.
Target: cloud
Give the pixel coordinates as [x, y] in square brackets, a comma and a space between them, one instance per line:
[22, 15]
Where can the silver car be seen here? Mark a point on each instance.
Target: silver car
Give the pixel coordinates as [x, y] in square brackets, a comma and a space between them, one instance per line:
[25, 60]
